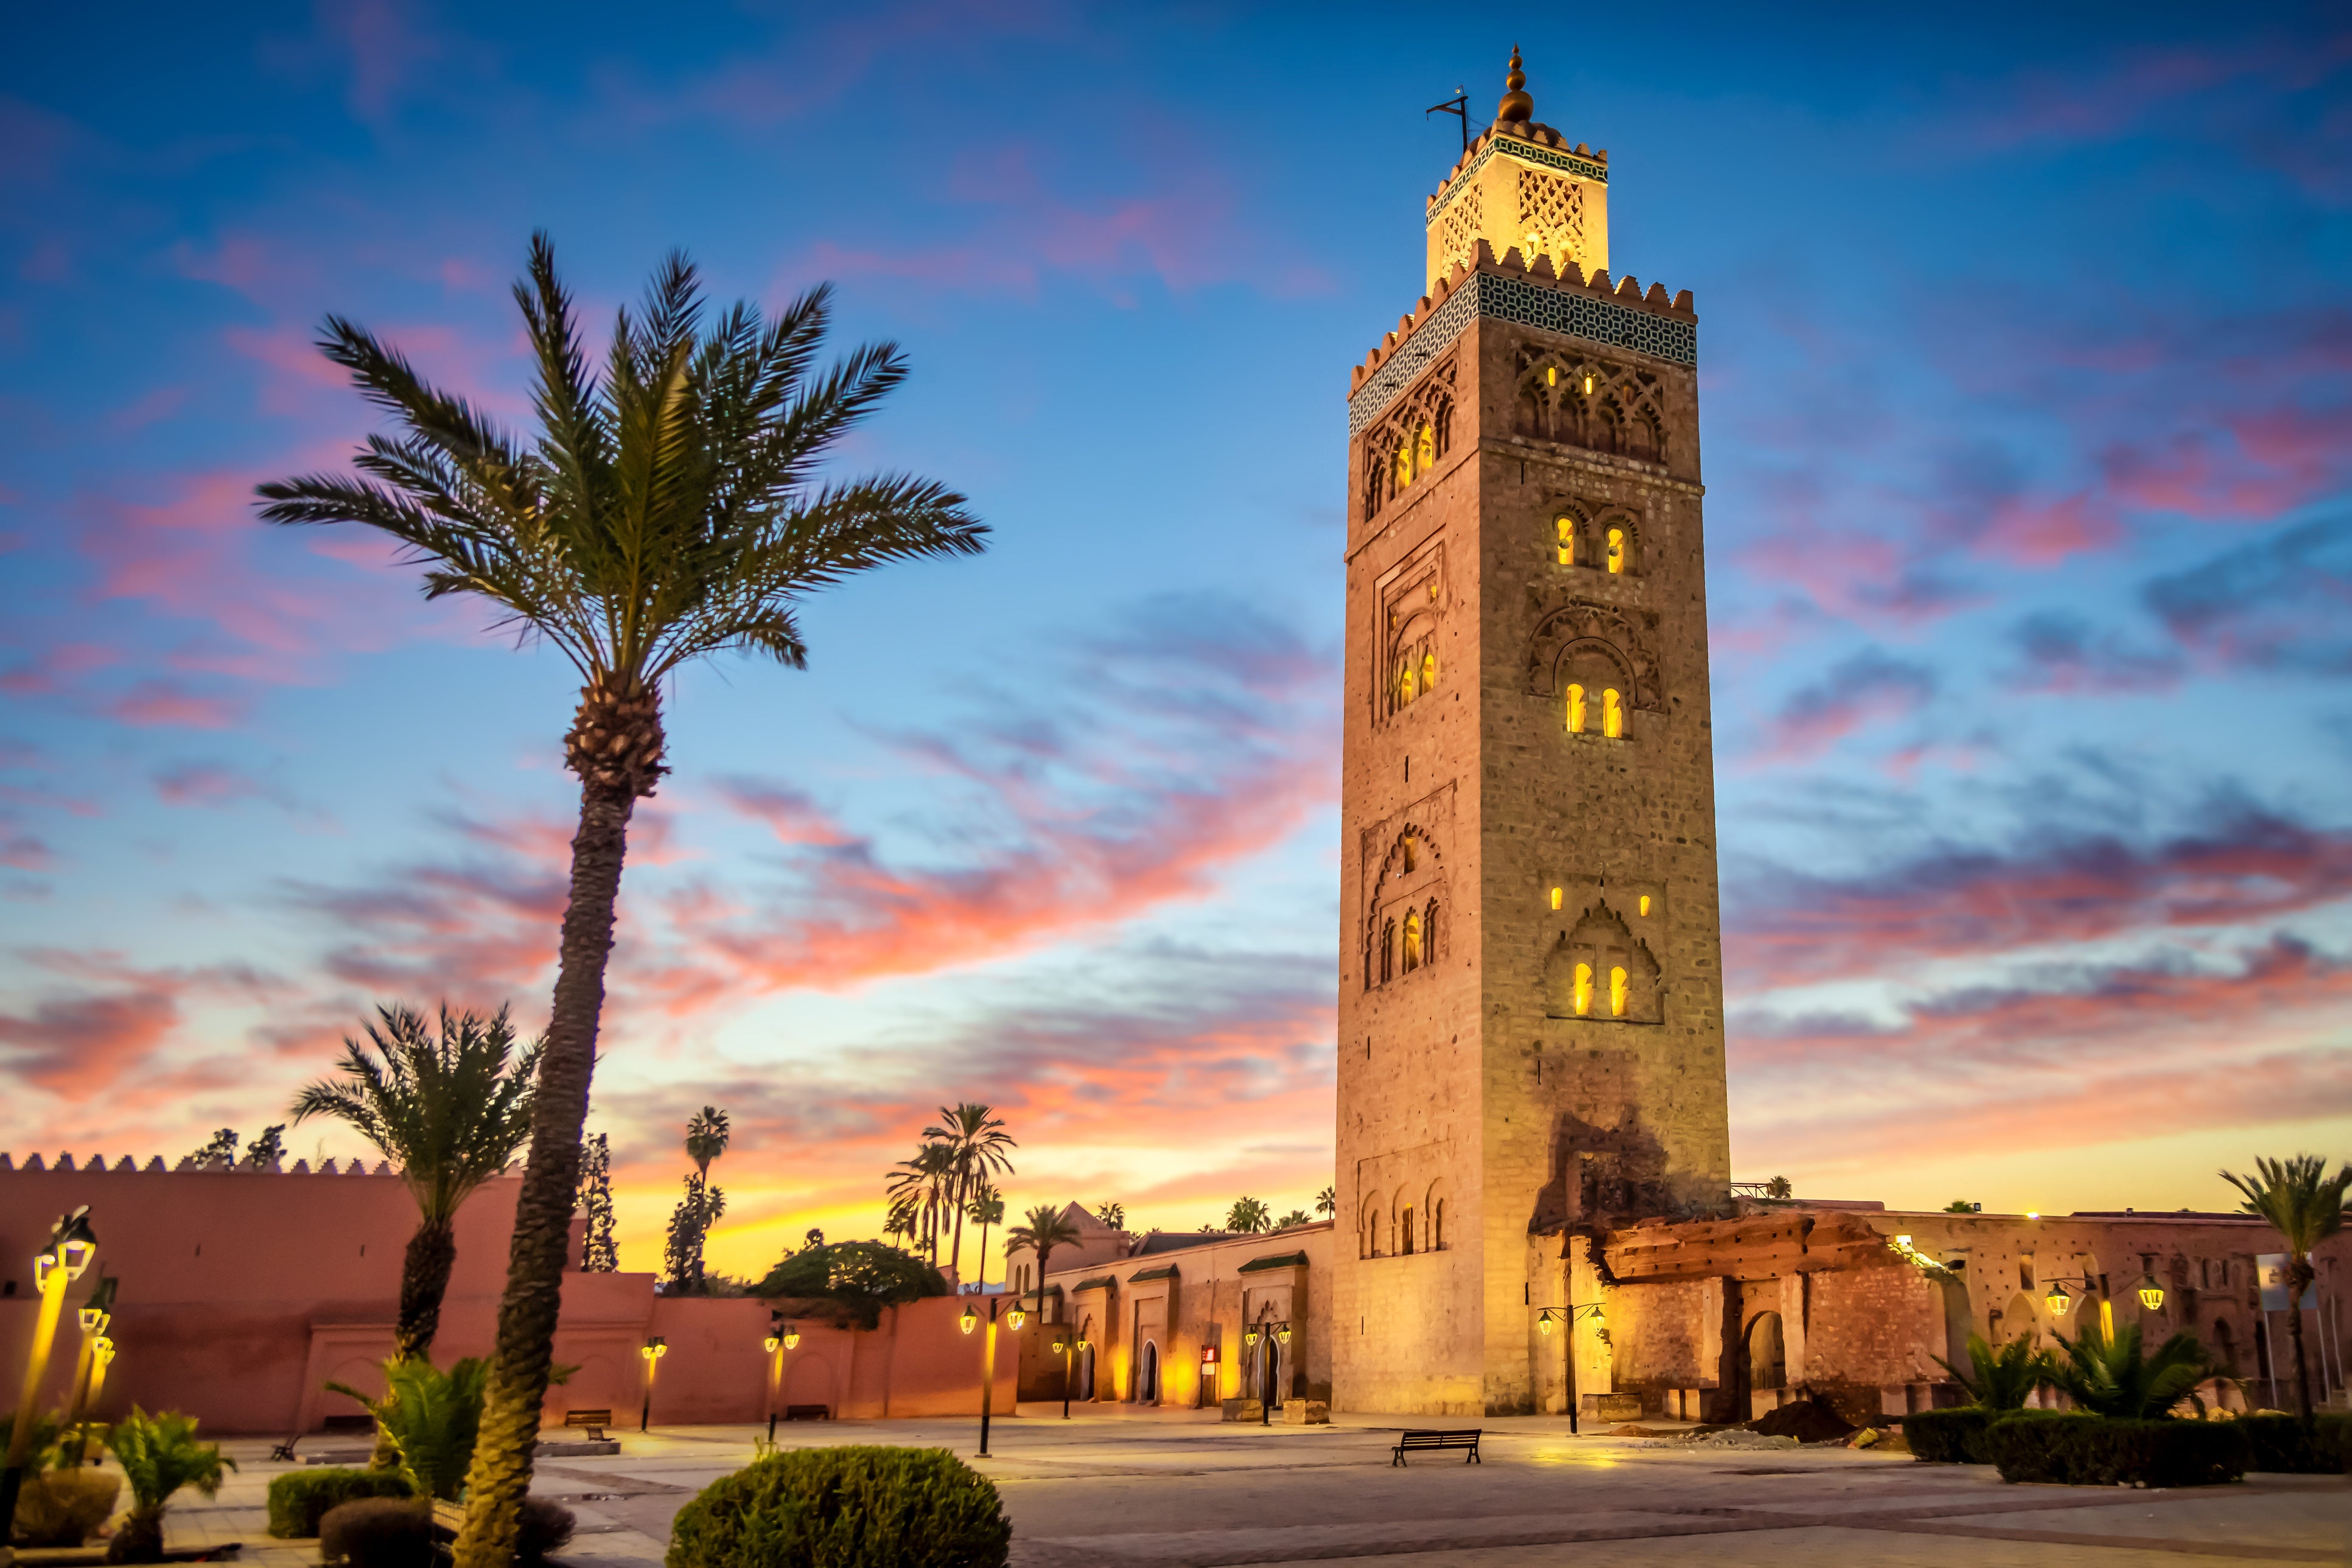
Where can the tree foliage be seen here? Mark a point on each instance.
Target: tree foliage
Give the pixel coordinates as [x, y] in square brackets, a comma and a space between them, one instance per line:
[2001, 1379]
[1249, 1215]
[601, 1253]
[431, 1418]
[2306, 1205]
[2113, 1376]
[159, 1455]
[864, 1277]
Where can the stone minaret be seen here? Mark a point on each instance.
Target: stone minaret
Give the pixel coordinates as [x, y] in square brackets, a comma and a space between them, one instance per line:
[1530, 994]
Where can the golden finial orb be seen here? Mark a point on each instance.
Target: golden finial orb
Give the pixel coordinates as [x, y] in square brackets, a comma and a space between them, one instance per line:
[1516, 105]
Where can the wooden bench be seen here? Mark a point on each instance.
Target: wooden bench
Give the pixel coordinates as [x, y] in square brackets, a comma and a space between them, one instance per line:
[808, 1412]
[1415, 1441]
[595, 1421]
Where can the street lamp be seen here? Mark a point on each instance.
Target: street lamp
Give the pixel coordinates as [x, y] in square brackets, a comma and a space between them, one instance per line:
[96, 1314]
[1279, 1333]
[782, 1335]
[71, 1247]
[1550, 1318]
[1072, 1346]
[2151, 1294]
[653, 1349]
[1014, 1320]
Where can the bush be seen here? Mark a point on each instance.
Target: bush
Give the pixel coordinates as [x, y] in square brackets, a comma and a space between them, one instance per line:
[64, 1508]
[2283, 1445]
[2079, 1449]
[299, 1499]
[378, 1532]
[845, 1508]
[1950, 1437]
[543, 1528]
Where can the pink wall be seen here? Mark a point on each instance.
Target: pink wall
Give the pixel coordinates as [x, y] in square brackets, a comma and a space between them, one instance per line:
[242, 1292]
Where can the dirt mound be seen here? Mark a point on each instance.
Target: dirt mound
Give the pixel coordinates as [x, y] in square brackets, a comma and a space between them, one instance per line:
[1807, 1420]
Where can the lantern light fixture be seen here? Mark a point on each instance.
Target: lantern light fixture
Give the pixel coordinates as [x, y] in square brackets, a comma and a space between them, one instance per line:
[1282, 1335]
[772, 1343]
[2151, 1294]
[1016, 1318]
[2057, 1300]
[655, 1348]
[793, 1338]
[969, 1320]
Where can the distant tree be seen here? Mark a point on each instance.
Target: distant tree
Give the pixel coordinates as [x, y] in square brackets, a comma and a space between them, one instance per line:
[1962, 1205]
[2306, 1205]
[814, 1237]
[928, 1179]
[706, 1136]
[601, 1253]
[1780, 1187]
[1046, 1228]
[1249, 1215]
[266, 1150]
[1296, 1217]
[222, 1150]
[977, 1144]
[449, 1107]
[864, 1277]
[1327, 1202]
[1112, 1214]
[903, 1218]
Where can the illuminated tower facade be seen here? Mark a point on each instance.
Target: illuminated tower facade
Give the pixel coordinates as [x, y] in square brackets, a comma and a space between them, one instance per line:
[1531, 996]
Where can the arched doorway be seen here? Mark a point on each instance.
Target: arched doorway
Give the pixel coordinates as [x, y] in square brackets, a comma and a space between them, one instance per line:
[1768, 1353]
[1147, 1378]
[1086, 1374]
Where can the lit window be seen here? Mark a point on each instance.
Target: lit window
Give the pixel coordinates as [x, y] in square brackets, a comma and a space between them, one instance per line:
[1583, 989]
[1551, 375]
[1403, 465]
[1412, 854]
[1406, 690]
[1588, 384]
[1612, 714]
[1645, 903]
[1412, 941]
[1567, 529]
[1428, 444]
[1555, 898]
[1433, 592]
[1616, 550]
[1617, 991]
[1429, 671]
[1576, 710]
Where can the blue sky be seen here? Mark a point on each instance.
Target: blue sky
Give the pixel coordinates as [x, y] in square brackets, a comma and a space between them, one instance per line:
[2027, 382]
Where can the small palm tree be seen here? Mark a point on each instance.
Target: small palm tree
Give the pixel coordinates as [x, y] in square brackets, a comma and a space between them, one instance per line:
[2001, 1379]
[432, 1418]
[1296, 1217]
[2111, 1376]
[986, 1208]
[450, 1109]
[159, 1455]
[1327, 1202]
[1249, 1215]
[1113, 1214]
[977, 1144]
[1046, 1228]
[2306, 1205]
[667, 510]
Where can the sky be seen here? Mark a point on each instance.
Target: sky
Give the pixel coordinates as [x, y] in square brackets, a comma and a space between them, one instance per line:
[2026, 393]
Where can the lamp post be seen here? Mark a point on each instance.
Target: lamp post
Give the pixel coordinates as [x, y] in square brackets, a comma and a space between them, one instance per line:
[783, 1334]
[1550, 1318]
[653, 1349]
[71, 1247]
[101, 1357]
[97, 1314]
[1279, 1333]
[1072, 1346]
[1012, 1320]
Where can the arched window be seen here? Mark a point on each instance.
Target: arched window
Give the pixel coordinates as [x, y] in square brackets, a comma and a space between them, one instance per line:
[1387, 949]
[1583, 989]
[1556, 894]
[1619, 989]
[1566, 530]
[1408, 682]
[1575, 710]
[1427, 444]
[1429, 933]
[1437, 1226]
[1612, 713]
[1403, 465]
[1616, 550]
[1429, 670]
[1404, 1234]
[1412, 941]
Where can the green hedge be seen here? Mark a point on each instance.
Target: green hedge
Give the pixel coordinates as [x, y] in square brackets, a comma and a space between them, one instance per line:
[299, 1499]
[845, 1508]
[2077, 1448]
[1953, 1436]
[2282, 1444]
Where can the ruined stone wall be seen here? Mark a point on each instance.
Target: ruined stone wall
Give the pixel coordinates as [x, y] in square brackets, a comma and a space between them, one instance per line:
[1658, 1339]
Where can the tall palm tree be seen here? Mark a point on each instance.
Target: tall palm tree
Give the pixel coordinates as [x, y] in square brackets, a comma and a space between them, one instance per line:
[706, 1136]
[1249, 1215]
[1327, 1202]
[1046, 1228]
[924, 1179]
[976, 1138]
[2306, 1205]
[986, 1208]
[666, 509]
[449, 1107]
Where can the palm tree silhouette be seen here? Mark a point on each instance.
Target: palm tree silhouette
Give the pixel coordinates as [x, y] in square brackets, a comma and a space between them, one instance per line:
[976, 1143]
[2306, 1205]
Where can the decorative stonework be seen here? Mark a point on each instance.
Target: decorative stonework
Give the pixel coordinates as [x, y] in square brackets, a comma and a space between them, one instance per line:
[1551, 213]
[1458, 230]
[1590, 400]
[1580, 625]
[1413, 440]
[1525, 153]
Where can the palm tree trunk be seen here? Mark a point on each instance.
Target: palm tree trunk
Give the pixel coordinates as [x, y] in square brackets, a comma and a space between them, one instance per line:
[2299, 1276]
[955, 1254]
[423, 1281]
[500, 1472]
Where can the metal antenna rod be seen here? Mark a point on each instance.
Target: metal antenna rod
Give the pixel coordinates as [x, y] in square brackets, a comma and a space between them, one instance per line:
[1457, 106]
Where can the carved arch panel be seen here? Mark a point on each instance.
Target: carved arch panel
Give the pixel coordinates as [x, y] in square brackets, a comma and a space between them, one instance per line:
[1600, 970]
[1413, 439]
[1580, 630]
[1585, 400]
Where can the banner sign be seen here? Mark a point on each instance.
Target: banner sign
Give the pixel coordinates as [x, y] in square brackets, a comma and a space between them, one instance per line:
[2270, 1267]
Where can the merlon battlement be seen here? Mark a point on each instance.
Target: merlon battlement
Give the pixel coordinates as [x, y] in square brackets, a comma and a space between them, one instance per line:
[190, 1165]
[1626, 292]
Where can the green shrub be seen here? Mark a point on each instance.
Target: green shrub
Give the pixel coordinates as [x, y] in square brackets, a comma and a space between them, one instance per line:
[378, 1532]
[299, 1499]
[159, 1455]
[64, 1508]
[1949, 1436]
[543, 1528]
[2284, 1445]
[431, 1418]
[845, 1508]
[2079, 1449]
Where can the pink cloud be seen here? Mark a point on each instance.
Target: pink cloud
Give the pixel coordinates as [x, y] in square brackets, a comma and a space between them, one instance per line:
[151, 704]
[1867, 688]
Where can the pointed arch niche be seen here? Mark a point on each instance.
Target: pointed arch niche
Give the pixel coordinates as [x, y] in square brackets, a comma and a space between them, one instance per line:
[1406, 905]
[1601, 970]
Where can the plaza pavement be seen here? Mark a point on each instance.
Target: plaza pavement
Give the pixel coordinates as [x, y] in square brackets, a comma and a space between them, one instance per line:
[1110, 1492]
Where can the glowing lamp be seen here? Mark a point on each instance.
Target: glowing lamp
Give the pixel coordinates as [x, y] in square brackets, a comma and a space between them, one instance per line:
[1084, 1345]
[771, 1342]
[1904, 1241]
[2151, 1294]
[791, 1339]
[2057, 1300]
[970, 1318]
[1250, 1338]
[72, 1246]
[655, 1348]
[94, 1320]
[1543, 1323]
[1016, 1318]
[1282, 1335]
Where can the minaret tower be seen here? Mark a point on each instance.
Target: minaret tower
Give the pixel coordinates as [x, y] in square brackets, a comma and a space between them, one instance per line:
[1531, 996]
